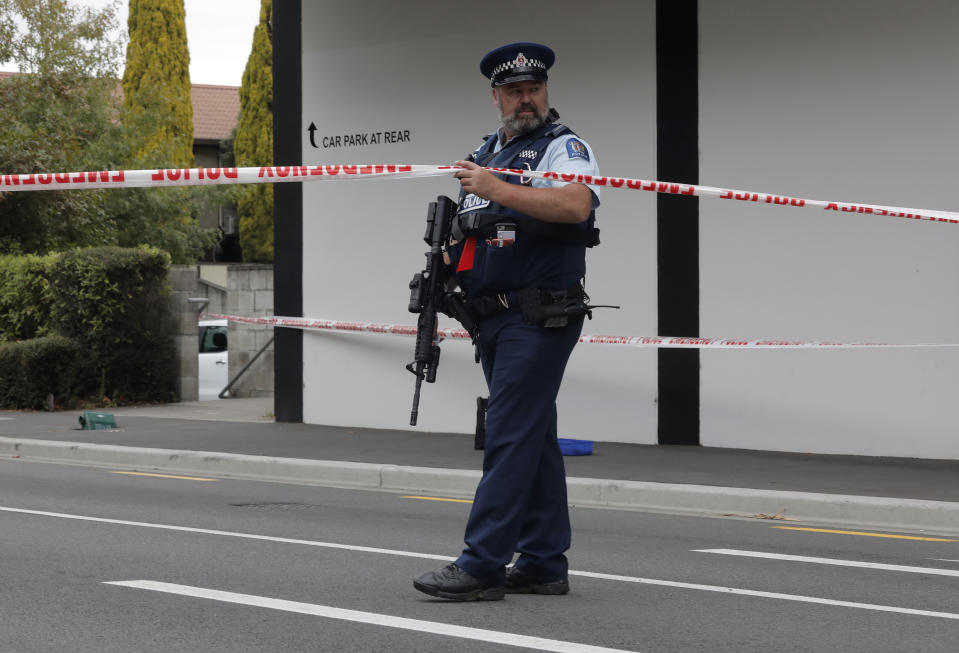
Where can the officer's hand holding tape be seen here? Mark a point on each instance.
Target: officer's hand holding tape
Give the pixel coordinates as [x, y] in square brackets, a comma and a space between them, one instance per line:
[566, 204]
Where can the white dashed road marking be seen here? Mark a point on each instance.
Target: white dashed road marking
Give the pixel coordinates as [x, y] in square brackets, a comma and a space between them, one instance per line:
[373, 618]
[930, 571]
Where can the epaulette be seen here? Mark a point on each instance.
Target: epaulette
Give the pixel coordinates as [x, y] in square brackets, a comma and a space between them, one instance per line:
[558, 130]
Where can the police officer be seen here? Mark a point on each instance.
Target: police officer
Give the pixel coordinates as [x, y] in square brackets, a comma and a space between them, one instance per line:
[520, 259]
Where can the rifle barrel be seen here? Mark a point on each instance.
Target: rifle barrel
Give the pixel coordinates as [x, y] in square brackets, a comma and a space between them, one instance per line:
[416, 394]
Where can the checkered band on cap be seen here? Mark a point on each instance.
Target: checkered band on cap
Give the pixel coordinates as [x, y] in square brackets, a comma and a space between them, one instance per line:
[519, 62]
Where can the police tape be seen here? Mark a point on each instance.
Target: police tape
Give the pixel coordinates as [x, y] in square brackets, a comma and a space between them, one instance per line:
[279, 174]
[629, 341]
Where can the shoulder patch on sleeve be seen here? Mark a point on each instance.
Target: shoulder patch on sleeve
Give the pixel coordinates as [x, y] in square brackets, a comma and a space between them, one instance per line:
[576, 149]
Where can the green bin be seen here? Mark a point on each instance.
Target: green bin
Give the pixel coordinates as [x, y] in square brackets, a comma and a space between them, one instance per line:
[91, 420]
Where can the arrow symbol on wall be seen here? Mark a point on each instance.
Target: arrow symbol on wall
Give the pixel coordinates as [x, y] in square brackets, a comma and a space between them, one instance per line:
[312, 130]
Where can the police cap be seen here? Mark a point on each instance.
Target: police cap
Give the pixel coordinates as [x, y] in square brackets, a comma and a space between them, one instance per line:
[517, 62]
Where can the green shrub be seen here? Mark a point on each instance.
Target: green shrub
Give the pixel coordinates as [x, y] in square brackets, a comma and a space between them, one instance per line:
[114, 303]
[30, 370]
[25, 299]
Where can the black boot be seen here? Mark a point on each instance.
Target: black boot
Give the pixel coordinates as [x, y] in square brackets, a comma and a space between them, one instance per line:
[519, 583]
[451, 582]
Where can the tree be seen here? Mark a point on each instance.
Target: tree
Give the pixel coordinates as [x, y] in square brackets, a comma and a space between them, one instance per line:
[59, 115]
[59, 38]
[158, 119]
[254, 142]
[63, 114]
[156, 82]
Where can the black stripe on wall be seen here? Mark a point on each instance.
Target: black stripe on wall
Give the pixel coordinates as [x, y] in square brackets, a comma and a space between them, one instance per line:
[287, 210]
[677, 223]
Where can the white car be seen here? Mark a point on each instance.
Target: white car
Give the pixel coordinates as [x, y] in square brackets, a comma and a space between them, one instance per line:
[214, 371]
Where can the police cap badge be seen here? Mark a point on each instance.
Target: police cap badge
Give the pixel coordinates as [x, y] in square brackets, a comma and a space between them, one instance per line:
[517, 62]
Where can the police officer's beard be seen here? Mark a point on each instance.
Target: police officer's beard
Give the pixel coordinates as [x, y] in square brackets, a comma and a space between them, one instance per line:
[518, 126]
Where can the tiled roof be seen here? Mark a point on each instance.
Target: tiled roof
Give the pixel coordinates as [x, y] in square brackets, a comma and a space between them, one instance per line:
[216, 110]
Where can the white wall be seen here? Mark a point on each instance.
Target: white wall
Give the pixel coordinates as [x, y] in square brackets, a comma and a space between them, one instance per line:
[850, 100]
[375, 66]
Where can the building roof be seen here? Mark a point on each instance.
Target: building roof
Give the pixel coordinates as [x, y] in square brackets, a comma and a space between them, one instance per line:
[216, 110]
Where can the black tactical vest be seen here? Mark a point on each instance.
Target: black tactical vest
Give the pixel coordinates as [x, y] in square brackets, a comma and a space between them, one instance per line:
[544, 255]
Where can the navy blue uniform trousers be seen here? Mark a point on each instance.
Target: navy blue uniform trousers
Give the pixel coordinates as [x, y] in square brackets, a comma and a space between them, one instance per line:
[520, 504]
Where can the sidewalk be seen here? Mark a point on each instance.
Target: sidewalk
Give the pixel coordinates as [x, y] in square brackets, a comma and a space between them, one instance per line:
[238, 438]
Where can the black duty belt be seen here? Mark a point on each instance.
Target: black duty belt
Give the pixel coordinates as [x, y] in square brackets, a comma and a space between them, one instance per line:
[546, 308]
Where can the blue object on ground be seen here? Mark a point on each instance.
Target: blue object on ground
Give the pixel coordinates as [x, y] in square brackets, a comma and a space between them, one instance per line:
[576, 447]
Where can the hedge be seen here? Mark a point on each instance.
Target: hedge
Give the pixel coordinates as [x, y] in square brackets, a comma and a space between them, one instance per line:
[25, 299]
[87, 324]
[31, 370]
[113, 302]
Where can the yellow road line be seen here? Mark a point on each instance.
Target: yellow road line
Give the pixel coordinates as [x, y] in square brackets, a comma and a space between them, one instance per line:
[865, 534]
[438, 499]
[181, 478]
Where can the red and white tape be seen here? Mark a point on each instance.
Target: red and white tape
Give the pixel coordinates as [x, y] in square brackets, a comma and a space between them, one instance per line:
[278, 174]
[629, 341]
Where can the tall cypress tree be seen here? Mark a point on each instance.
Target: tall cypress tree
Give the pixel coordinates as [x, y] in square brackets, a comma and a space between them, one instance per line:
[254, 142]
[158, 123]
[156, 83]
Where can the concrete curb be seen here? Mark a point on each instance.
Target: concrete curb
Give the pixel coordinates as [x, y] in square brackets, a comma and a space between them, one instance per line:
[847, 510]
[841, 509]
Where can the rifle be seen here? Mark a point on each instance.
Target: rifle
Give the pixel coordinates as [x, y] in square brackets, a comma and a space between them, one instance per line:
[429, 296]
